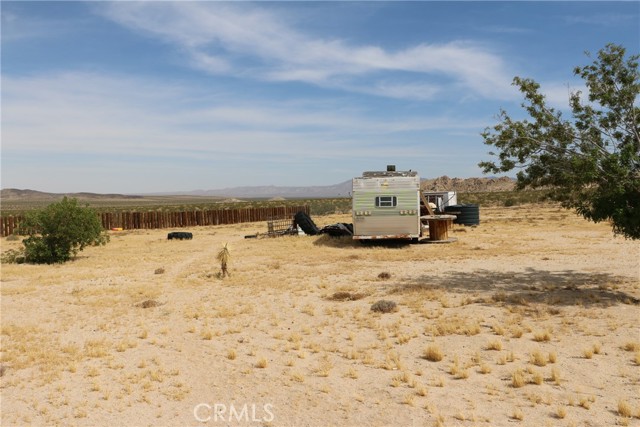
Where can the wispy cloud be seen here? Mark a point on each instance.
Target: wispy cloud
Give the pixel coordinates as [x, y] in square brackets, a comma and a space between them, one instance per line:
[19, 26]
[223, 38]
[505, 29]
[100, 114]
[602, 19]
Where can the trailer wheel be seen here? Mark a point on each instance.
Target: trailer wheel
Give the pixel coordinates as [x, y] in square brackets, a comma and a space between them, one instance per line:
[180, 235]
[305, 222]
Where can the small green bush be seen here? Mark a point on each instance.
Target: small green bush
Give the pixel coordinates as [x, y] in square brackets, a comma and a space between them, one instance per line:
[59, 231]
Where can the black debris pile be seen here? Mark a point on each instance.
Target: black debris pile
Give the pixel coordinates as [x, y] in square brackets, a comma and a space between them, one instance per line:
[309, 227]
[302, 221]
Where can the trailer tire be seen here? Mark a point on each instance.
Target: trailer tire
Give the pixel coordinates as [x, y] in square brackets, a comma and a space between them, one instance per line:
[307, 225]
[180, 235]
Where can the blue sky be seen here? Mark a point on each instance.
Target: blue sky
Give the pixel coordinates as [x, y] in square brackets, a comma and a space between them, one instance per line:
[136, 97]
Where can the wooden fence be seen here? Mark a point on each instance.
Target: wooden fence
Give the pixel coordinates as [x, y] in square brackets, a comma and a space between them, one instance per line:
[153, 219]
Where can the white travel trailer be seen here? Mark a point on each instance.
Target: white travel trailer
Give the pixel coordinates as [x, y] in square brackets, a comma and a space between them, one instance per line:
[386, 205]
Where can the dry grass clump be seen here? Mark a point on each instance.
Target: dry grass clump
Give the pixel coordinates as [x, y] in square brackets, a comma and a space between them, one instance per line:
[454, 325]
[585, 402]
[484, 368]
[433, 353]
[392, 361]
[624, 409]
[457, 371]
[297, 376]
[537, 377]
[159, 271]
[324, 367]
[352, 373]
[517, 414]
[518, 378]
[497, 329]
[408, 399]
[96, 348]
[150, 303]
[542, 336]
[384, 306]
[384, 276]
[538, 358]
[346, 296]
[494, 345]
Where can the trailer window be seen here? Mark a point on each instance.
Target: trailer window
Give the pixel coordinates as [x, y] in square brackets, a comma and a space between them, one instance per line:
[386, 201]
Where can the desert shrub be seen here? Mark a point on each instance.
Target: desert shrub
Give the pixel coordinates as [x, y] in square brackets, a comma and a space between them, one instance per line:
[346, 296]
[59, 231]
[150, 303]
[384, 275]
[433, 353]
[12, 256]
[384, 306]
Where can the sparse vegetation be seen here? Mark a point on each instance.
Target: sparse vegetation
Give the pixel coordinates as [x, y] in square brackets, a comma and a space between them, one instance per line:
[59, 231]
[624, 409]
[224, 256]
[433, 353]
[538, 359]
[384, 306]
[494, 345]
[308, 323]
[518, 378]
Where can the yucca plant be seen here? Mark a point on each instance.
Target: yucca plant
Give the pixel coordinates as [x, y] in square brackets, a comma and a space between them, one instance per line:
[223, 257]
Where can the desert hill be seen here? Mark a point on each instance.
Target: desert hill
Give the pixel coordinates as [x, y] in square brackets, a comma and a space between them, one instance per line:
[343, 189]
[468, 185]
[17, 194]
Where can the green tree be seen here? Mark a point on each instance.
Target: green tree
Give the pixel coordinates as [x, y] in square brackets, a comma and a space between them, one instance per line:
[59, 231]
[591, 162]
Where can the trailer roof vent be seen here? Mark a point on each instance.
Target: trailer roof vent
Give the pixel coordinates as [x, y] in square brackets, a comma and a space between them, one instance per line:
[391, 168]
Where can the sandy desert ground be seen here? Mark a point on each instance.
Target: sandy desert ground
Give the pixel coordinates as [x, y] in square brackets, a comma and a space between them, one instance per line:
[531, 318]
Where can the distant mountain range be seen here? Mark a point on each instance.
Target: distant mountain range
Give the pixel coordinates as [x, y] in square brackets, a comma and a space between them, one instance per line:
[270, 191]
[15, 194]
[443, 183]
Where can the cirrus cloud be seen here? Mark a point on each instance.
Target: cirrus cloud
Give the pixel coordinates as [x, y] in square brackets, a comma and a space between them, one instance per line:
[223, 38]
